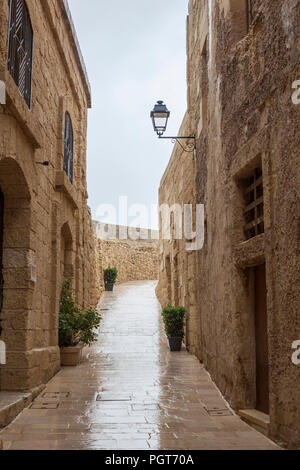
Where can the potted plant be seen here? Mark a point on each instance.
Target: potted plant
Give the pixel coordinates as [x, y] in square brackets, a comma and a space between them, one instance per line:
[173, 318]
[110, 277]
[76, 327]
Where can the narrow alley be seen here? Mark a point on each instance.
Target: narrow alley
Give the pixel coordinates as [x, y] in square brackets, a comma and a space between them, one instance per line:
[130, 392]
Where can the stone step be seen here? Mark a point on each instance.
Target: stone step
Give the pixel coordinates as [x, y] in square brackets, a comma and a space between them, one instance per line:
[12, 403]
[258, 420]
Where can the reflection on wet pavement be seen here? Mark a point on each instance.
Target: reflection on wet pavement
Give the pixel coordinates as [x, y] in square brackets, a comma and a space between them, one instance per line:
[130, 392]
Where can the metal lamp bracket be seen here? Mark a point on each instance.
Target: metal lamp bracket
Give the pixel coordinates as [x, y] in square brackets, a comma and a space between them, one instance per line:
[190, 147]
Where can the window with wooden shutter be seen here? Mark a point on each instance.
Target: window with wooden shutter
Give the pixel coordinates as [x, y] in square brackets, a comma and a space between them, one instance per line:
[254, 211]
[20, 48]
[68, 148]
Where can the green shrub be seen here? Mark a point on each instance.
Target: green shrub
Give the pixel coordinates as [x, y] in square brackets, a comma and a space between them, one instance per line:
[110, 275]
[90, 321]
[75, 325]
[174, 321]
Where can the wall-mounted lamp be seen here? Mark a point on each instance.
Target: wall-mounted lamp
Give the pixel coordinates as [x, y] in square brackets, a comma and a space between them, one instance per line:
[160, 116]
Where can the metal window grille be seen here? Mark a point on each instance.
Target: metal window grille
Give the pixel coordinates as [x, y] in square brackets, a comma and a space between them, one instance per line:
[20, 48]
[254, 211]
[249, 14]
[69, 144]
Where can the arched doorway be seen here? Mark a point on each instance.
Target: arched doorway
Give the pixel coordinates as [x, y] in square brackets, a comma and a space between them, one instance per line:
[15, 291]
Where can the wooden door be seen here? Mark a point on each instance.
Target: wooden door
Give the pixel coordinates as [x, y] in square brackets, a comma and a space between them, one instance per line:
[261, 333]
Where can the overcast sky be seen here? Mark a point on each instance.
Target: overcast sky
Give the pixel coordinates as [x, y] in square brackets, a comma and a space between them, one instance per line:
[135, 54]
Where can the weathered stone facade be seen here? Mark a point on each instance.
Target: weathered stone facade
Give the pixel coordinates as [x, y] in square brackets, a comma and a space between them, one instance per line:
[178, 267]
[48, 232]
[136, 260]
[240, 109]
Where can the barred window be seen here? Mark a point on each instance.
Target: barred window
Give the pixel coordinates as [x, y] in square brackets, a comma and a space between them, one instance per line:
[254, 210]
[69, 144]
[20, 48]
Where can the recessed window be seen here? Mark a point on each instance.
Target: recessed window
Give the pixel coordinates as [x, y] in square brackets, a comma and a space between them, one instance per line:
[69, 147]
[254, 210]
[20, 48]
[241, 14]
[249, 14]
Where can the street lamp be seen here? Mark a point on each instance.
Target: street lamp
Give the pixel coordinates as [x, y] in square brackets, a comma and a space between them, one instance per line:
[160, 116]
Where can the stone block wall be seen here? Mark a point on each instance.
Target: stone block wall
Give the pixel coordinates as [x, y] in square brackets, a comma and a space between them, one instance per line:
[240, 86]
[47, 233]
[177, 268]
[136, 260]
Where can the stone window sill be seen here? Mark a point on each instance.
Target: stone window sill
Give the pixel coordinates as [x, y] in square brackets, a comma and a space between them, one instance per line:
[64, 186]
[250, 253]
[256, 419]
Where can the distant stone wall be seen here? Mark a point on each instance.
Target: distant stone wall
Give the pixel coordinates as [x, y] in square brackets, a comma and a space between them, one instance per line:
[136, 260]
[123, 233]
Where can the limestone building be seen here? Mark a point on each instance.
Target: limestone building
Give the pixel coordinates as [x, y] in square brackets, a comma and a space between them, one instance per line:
[46, 232]
[178, 266]
[243, 58]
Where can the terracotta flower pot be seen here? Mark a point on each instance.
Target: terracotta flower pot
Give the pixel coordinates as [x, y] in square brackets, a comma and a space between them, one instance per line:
[71, 355]
[175, 343]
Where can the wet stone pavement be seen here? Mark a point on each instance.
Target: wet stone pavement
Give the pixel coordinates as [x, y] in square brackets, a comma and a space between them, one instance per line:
[130, 392]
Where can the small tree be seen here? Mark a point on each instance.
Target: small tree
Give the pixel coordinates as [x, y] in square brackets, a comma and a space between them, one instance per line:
[75, 325]
[110, 275]
[90, 320]
[174, 321]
